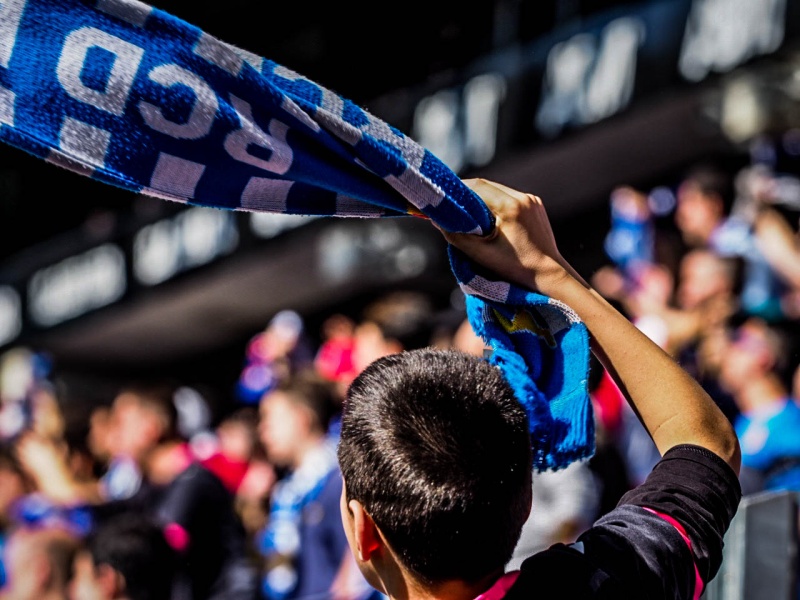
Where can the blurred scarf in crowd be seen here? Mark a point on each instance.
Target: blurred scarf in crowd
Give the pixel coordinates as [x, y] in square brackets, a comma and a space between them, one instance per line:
[132, 96]
[291, 503]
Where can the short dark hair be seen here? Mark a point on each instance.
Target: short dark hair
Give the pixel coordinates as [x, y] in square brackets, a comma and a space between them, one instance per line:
[134, 545]
[436, 447]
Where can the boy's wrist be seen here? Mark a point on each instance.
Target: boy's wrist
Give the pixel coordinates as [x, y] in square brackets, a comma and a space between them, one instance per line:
[550, 277]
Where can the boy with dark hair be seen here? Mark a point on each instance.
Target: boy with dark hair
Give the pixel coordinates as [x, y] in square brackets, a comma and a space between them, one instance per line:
[436, 457]
[415, 415]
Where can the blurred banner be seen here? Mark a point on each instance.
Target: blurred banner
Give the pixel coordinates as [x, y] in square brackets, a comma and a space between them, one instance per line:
[585, 72]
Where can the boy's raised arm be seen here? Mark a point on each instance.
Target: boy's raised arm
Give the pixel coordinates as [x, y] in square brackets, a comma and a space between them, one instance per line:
[672, 406]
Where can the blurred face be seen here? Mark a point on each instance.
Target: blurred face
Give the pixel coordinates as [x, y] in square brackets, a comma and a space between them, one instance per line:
[701, 278]
[86, 584]
[654, 285]
[283, 428]
[696, 214]
[235, 441]
[133, 430]
[748, 357]
[370, 345]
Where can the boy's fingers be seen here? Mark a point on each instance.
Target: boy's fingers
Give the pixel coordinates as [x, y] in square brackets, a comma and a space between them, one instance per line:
[467, 240]
[504, 203]
[484, 186]
[496, 196]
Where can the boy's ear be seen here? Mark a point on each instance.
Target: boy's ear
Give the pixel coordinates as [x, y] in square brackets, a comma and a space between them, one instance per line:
[366, 535]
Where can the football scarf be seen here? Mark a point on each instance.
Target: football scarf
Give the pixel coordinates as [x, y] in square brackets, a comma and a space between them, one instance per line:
[132, 96]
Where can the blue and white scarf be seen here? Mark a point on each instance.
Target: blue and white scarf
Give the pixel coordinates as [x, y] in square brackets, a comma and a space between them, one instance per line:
[280, 540]
[132, 96]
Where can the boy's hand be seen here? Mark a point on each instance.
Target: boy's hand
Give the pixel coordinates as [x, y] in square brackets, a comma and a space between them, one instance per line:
[522, 247]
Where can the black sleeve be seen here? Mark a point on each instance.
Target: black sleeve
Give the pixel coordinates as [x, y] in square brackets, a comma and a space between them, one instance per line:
[701, 492]
[633, 552]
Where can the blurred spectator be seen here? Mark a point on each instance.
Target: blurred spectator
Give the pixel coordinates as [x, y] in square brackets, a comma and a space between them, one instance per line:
[303, 544]
[647, 301]
[81, 460]
[63, 471]
[237, 438]
[153, 472]
[769, 422]
[193, 500]
[707, 298]
[636, 280]
[704, 199]
[706, 290]
[240, 463]
[771, 198]
[125, 558]
[46, 463]
[273, 355]
[252, 497]
[392, 323]
[143, 418]
[712, 212]
[630, 240]
[200, 522]
[334, 358]
[335, 362]
[38, 563]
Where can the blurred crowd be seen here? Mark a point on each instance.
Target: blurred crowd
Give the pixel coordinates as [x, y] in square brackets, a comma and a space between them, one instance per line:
[158, 497]
[710, 270]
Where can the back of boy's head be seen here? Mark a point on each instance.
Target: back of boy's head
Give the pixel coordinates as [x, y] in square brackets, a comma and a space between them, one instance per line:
[436, 447]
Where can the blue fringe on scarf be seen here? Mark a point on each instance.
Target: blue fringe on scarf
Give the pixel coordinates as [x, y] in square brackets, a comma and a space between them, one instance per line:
[132, 96]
